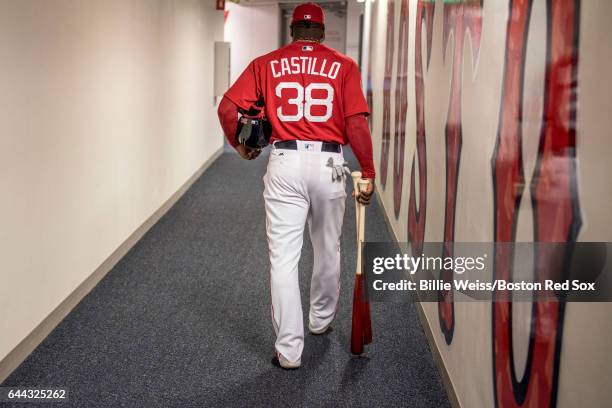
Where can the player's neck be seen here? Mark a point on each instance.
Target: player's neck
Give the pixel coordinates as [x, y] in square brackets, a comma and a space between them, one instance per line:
[308, 40]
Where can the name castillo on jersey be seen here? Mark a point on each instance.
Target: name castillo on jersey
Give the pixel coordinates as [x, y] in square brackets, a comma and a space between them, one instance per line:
[305, 65]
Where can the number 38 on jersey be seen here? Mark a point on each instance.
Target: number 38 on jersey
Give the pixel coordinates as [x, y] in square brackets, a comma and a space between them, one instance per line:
[314, 102]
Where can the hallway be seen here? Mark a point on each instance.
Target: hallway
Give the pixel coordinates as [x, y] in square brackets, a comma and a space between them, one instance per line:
[183, 320]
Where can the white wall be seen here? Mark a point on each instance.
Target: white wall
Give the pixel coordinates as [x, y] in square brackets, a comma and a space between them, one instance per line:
[353, 14]
[252, 30]
[105, 111]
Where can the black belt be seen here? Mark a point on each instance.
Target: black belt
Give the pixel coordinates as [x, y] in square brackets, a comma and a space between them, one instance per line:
[292, 145]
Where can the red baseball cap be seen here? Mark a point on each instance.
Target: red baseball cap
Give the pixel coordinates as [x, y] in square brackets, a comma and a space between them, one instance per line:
[308, 12]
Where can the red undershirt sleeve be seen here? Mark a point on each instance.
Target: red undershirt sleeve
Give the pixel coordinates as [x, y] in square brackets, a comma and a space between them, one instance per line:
[353, 100]
[358, 135]
[228, 117]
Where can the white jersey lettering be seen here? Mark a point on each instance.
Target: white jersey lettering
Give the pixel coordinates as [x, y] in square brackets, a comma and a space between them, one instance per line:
[305, 65]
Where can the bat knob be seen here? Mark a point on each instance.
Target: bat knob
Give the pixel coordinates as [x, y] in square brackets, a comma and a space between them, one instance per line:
[356, 175]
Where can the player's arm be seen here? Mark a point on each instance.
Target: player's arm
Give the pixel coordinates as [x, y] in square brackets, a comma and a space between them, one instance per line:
[242, 94]
[356, 126]
[358, 134]
[228, 116]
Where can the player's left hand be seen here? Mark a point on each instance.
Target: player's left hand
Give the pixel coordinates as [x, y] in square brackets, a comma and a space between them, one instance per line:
[365, 196]
[247, 153]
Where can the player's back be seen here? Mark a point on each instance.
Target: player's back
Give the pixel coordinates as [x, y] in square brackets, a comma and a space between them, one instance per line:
[305, 88]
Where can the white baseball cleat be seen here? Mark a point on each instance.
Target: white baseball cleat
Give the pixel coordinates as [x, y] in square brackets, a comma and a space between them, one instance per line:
[320, 331]
[284, 363]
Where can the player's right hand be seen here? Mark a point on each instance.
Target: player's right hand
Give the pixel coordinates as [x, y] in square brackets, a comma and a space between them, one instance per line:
[247, 153]
[364, 196]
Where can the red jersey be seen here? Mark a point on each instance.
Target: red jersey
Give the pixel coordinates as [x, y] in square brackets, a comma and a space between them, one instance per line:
[309, 90]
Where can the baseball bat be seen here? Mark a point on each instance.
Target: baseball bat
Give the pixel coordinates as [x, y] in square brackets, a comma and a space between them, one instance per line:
[361, 331]
[357, 328]
[367, 320]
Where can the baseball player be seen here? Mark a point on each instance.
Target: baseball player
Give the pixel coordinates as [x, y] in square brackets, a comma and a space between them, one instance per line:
[315, 105]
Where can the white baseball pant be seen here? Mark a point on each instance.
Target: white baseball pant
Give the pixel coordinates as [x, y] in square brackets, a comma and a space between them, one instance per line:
[299, 189]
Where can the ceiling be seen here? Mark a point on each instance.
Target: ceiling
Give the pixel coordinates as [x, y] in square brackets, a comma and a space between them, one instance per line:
[262, 2]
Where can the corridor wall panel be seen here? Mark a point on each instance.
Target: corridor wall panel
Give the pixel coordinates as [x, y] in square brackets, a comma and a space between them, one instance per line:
[505, 138]
[253, 30]
[106, 110]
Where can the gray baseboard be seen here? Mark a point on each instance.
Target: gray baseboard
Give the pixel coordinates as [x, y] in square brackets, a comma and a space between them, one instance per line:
[31, 341]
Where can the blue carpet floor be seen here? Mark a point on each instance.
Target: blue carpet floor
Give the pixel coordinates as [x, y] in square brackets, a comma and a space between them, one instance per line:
[183, 320]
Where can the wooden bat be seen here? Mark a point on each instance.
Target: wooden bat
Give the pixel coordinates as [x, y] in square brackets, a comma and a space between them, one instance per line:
[361, 331]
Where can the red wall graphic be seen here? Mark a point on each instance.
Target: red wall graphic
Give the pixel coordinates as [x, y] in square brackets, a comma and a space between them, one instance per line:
[401, 108]
[554, 198]
[369, 90]
[459, 18]
[417, 216]
[553, 186]
[386, 131]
